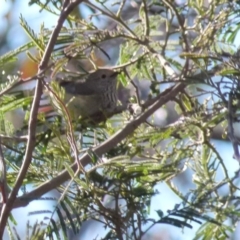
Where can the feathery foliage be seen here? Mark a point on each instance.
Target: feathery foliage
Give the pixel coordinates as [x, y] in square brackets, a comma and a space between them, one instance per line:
[110, 172]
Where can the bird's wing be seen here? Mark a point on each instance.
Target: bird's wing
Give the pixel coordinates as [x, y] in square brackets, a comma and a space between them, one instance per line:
[78, 87]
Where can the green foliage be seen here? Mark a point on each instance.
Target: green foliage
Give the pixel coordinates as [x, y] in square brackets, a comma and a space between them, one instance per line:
[116, 186]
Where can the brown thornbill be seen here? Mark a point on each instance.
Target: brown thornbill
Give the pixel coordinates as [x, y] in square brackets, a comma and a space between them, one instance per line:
[94, 97]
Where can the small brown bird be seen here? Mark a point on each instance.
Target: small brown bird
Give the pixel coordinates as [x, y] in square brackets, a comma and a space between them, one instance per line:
[94, 97]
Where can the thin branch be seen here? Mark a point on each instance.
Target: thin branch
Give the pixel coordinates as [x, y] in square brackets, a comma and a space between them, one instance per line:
[118, 14]
[3, 176]
[13, 138]
[146, 19]
[70, 137]
[26, 161]
[67, 9]
[113, 17]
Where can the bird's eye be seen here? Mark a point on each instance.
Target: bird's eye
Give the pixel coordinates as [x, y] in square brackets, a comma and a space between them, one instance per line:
[103, 76]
